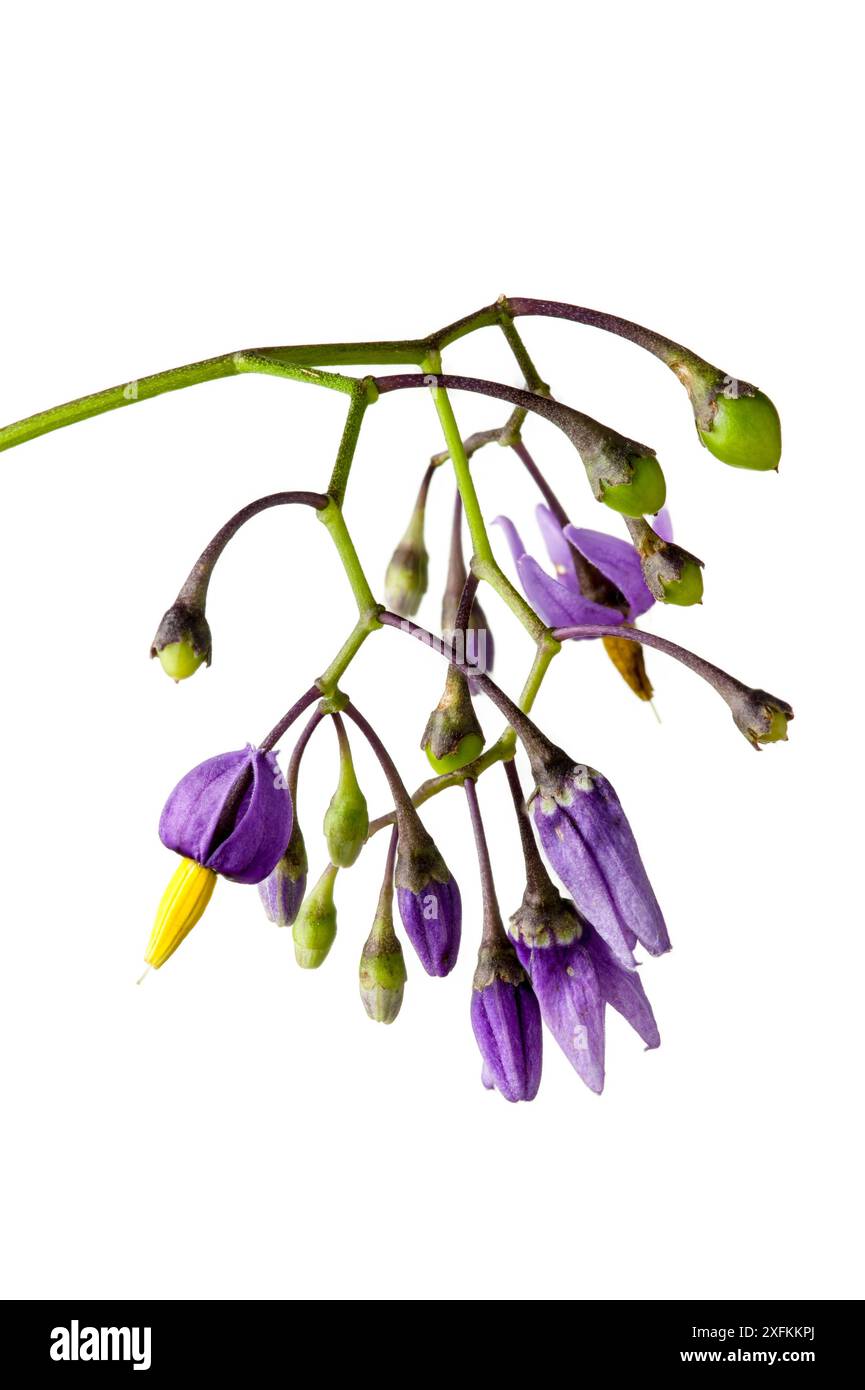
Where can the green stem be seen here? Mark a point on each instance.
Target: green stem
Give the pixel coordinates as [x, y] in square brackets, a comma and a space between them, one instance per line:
[483, 560]
[333, 519]
[360, 399]
[328, 682]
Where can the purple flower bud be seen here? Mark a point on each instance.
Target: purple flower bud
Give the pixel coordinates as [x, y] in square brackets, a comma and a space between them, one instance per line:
[429, 901]
[506, 1020]
[433, 920]
[284, 889]
[200, 822]
[587, 839]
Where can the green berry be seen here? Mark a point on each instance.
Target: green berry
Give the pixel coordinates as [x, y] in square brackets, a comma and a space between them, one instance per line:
[745, 432]
[645, 493]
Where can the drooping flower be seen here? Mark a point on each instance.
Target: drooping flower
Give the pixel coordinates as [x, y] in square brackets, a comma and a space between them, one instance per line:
[215, 836]
[243, 844]
[560, 600]
[506, 1021]
[574, 976]
[586, 837]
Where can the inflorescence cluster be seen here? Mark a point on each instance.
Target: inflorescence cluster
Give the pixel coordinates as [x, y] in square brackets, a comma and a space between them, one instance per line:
[561, 959]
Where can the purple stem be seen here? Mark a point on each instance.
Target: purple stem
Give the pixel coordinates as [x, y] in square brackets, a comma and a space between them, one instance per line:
[493, 929]
[194, 590]
[727, 686]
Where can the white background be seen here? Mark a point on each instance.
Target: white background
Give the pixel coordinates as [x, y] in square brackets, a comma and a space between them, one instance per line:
[185, 180]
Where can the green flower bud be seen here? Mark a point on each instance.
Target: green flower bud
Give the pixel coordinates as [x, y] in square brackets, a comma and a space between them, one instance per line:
[761, 717]
[314, 931]
[405, 581]
[453, 736]
[346, 820]
[182, 641]
[628, 482]
[742, 428]
[382, 966]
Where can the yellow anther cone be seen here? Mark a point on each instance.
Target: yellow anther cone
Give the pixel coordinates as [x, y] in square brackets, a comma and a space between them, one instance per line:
[183, 902]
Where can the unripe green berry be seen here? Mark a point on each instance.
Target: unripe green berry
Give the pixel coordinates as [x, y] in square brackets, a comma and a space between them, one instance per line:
[645, 492]
[745, 431]
[179, 660]
[687, 589]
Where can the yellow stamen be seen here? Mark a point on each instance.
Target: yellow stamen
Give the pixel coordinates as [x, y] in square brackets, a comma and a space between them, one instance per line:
[183, 902]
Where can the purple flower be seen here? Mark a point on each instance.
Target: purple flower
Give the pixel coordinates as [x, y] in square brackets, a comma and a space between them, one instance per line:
[559, 600]
[257, 832]
[587, 839]
[573, 983]
[506, 1020]
[432, 918]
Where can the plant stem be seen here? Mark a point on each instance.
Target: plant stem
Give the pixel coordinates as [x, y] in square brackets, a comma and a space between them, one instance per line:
[493, 929]
[288, 718]
[333, 519]
[727, 686]
[194, 589]
[348, 444]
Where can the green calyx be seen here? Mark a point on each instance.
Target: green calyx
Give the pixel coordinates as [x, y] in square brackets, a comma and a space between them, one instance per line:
[382, 973]
[744, 431]
[314, 931]
[346, 821]
[645, 492]
[180, 660]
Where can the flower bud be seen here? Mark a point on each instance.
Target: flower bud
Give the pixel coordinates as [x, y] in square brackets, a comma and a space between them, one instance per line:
[346, 820]
[429, 900]
[282, 891]
[761, 717]
[742, 428]
[314, 931]
[183, 902]
[182, 641]
[382, 966]
[506, 1021]
[405, 581]
[453, 736]
[627, 479]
